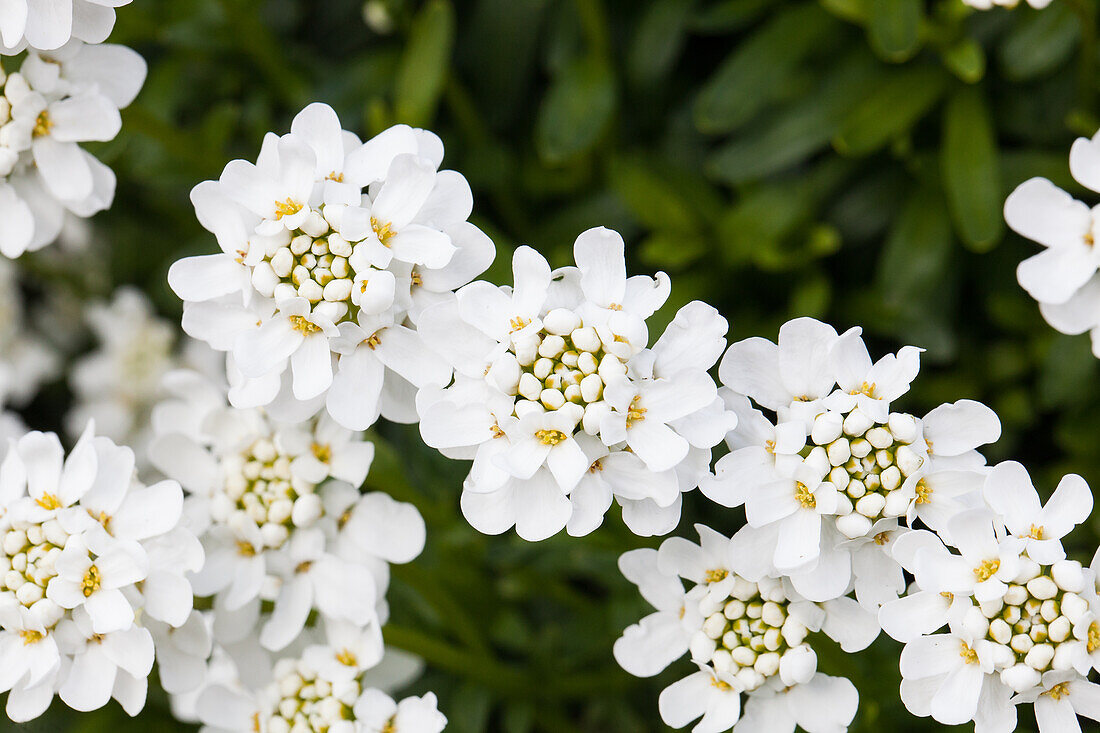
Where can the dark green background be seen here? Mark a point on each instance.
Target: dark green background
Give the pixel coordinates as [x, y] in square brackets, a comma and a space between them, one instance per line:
[846, 159]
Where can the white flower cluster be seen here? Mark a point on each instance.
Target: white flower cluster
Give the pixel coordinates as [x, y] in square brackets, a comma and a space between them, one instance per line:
[55, 101]
[830, 478]
[748, 634]
[1006, 619]
[323, 689]
[278, 510]
[118, 383]
[47, 25]
[331, 250]
[89, 558]
[1063, 277]
[990, 4]
[561, 404]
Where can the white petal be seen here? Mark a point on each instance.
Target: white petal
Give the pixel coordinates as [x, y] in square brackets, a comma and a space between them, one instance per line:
[751, 367]
[600, 256]
[685, 700]
[64, 168]
[1041, 211]
[649, 646]
[289, 617]
[1055, 274]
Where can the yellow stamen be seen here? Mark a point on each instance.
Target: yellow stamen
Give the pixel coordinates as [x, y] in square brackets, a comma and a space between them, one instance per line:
[882, 538]
[346, 658]
[635, 413]
[550, 437]
[968, 654]
[334, 176]
[949, 596]
[769, 446]
[716, 576]
[1058, 691]
[30, 636]
[43, 124]
[303, 567]
[417, 281]
[987, 570]
[245, 549]
[496, 431]
[322, 453]
[595, 467]
[519, 323]
[373, 341]
[1094, 637]
[303, 324]
[1036, 532]
[868, 390]
[720, 684]
[924, 492]
[49, 502]
[286, 208]
[804, 496]
[91, 581]
[384, 231]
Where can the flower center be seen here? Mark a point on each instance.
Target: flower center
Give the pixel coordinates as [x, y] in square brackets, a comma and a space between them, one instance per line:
[1058, 691]
[29, 553]
[565, 362]
[969, 655]
[550, 437]
[260, 484]
[866, 461]
[30, 636]
[307, 702]
[749, 633]
[924, 492]
[42, 124]
[286, 208]
[303, 324]
[987, 570]
[384, 231]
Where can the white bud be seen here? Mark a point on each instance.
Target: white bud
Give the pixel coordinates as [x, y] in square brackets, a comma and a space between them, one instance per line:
[1042, 588]
[1021, 643]
[339, 246]
[871, 505]
[561, 321]
[860, 448]
[314, 225]
[1040, 656]
[767, 664]
[734, 609]
[337, 290]
[29, 594]
[975, 623]
[591, 388]
[839, 452]
[530, 386]
[610, 368]
[702, 647]
[587, 363]
[853, 525]
[1074, 607]
[772, 639]
[744, 656]
[1059, 629]
[1068, 575]
[586, 339]
[543, 367]
[1000, 631]
[890, 478]
[551, 346]
[282, 262]
[1028, 569]
[844, 505]
[772, 614]
[1015, 595]
[879, 437]
[992, 607]
[907, 460]
[903, 427]
[817, 461]
[1064, 657]
[1020, 677]
[857, 423]
[311, 291]
[1049, 610]
[897, 504]
[827, 428]
[274, 534]
[307, 510]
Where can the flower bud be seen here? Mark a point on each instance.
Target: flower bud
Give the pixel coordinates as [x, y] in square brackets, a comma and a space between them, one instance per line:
[826, 428]
[857, 423]
[1020, 677]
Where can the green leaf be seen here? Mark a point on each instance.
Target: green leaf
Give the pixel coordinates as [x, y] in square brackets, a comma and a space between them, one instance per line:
[894, 28]
[971, 170]
[918, 249]
[855, 11]
[748, 79]
[651, 197]
[576, 110]
[966, 60]
[1040, 43]
[891, 109]
[798, 131]
[661, 32]
[422, 72]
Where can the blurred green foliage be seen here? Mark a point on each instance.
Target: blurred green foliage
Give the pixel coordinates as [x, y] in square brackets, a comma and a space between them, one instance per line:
[844, 159]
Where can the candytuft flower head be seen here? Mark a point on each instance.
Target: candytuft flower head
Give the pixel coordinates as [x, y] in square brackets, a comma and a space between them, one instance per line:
[1019, 617]
[55, 101]
[560, 402]
[84, 569]
[278, 509]
[49, 25]
[747, 637]
[836, 466]
[330, 250]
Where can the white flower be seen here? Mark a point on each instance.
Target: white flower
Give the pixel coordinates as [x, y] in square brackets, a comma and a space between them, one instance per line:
[988, 4]
[1061, 698]
[947, 678]
[81, 568]
[46, 25]
[54, 102]
[1009, 491]
[303, 697]
[746, 635]
[331, 248]
[823, 704]
[560, 403]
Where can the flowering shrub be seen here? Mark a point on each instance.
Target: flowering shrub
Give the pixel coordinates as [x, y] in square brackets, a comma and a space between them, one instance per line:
[326, 425]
